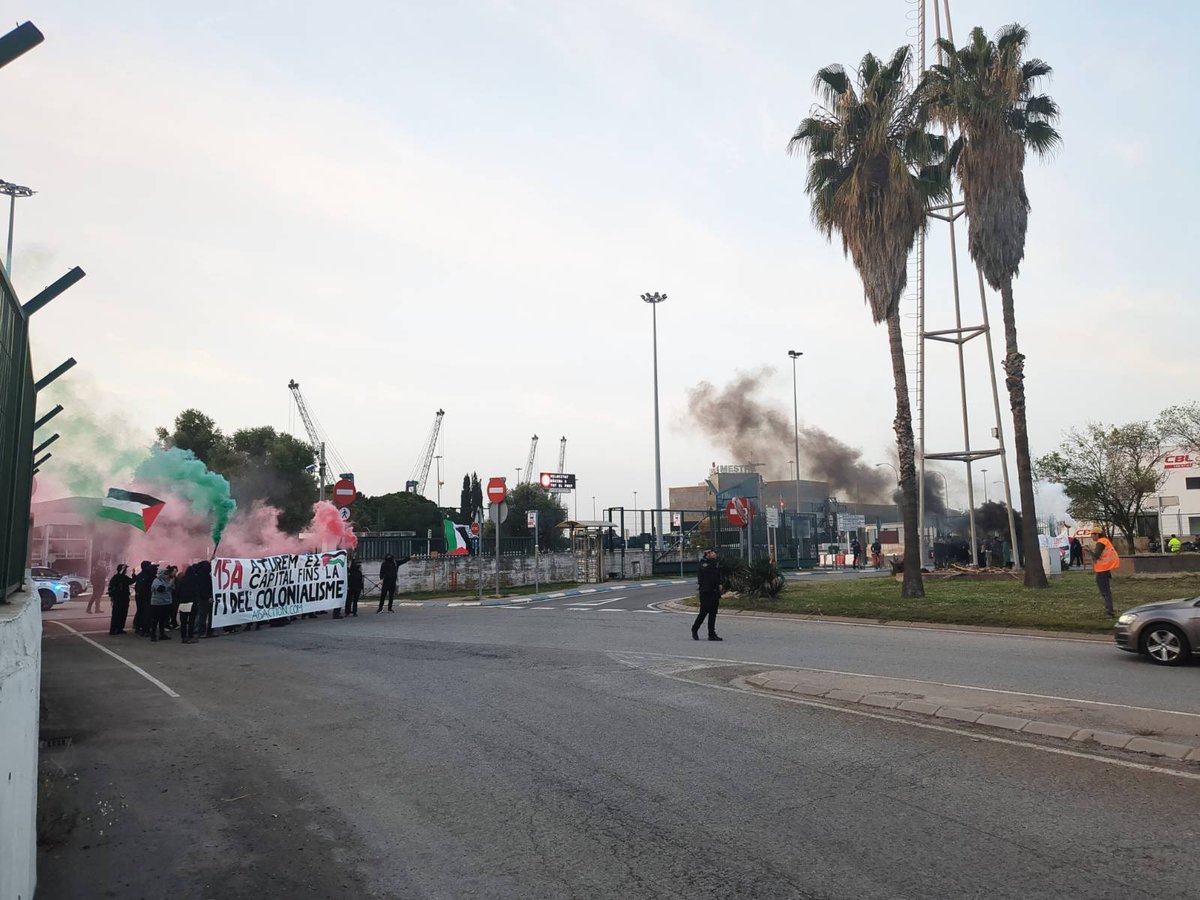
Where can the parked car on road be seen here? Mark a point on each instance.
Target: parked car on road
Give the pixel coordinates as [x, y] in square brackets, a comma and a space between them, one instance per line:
[1168, 632]
[77, 583]
[50, 590]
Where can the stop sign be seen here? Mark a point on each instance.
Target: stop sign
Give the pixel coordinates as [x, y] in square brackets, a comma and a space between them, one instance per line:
[496, 490]
[343, 493]
[474, 529]
[740, 511]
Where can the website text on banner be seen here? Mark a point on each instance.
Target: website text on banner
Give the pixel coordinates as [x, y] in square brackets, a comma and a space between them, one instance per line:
[253, 590]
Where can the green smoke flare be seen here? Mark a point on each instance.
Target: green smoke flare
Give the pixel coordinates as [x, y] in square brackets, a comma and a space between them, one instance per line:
[185, 476]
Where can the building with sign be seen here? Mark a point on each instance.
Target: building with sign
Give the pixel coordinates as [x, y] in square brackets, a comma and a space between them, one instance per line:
[1180, 496]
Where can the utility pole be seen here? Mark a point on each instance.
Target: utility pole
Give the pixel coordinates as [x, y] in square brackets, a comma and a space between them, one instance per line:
[655, 299]
[13, 191]
[795, 355]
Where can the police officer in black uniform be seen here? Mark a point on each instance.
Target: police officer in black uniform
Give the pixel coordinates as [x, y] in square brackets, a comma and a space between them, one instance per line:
[708, 580]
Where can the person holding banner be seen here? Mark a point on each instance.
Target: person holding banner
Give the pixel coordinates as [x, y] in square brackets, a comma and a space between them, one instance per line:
[354, 586]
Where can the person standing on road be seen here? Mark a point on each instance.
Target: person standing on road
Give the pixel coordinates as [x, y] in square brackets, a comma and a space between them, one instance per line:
[354, 586]
[1104, 561]
[203, 610]
[118, 597]
[877, 554]
[99, 583]
[856, 552]
[388, 570]
[141, 596]
[708, 582]
[162, 599]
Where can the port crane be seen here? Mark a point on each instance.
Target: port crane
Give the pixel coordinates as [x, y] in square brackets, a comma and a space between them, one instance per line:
[420, 473]
[323, 450]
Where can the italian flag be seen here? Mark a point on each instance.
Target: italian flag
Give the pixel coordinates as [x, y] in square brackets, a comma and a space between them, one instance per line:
[456, 540]
[138, 510]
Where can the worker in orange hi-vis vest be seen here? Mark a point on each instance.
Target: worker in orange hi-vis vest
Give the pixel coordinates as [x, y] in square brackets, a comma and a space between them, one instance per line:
[1104, 561]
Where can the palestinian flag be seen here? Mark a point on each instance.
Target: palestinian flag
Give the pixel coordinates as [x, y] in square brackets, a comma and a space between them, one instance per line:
[456, 538]
[138, 510]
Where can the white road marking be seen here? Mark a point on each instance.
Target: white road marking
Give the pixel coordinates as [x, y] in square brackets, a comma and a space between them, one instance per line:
[592, 604]
[973, 735]
[612, 610]
[555, 596]
[587, 590]
[154, 681]
[946, 684]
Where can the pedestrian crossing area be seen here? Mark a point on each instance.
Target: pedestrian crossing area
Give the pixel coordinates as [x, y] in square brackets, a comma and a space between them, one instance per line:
[584, 604]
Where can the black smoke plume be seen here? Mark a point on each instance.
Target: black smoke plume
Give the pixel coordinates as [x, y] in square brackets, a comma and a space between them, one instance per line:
[753, 430]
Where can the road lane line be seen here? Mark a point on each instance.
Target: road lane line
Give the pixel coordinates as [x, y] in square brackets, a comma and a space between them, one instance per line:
[973, 735]
[154, 681]
[946, 684]
[591, 604]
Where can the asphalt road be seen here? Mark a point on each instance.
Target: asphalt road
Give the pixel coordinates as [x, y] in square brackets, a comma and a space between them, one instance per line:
[562, 750]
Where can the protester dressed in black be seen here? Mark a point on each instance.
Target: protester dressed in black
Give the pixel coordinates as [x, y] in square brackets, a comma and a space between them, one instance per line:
[708, 581]
[118, 596]
[388, 571]
[354, 586]
[141, 596]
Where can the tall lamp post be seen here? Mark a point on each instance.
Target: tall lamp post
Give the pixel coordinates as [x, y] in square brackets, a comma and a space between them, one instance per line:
[985, 486]
[13, 191]
[795, 355]
[655, 299]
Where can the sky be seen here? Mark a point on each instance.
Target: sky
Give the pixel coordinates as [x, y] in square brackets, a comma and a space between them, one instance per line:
[456, 205]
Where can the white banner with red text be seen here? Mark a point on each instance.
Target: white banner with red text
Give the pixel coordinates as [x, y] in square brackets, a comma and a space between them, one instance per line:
[255, 590]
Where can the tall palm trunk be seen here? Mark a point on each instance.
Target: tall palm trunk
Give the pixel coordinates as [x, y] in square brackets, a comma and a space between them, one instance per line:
[913, 585]
[1014, 380]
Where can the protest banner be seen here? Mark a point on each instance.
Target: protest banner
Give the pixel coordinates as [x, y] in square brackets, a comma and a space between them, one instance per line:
[254, 590]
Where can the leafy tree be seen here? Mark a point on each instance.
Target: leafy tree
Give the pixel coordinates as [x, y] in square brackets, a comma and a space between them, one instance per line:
[464, 502]
[272, 467]
[986, 90]
[526, 497]
[1108, 472]
[398, 511]
[476, 495]
[1180, 426]
[195, 431]
[873, 171]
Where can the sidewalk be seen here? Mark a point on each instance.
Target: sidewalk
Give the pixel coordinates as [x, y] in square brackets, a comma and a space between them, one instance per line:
[1161, 733]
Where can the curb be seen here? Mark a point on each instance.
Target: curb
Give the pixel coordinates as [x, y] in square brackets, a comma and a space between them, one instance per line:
[775, 681]
[542, 598]
[900, 623]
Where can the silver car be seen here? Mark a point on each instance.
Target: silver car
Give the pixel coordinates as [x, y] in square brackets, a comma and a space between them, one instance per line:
[1168, 632]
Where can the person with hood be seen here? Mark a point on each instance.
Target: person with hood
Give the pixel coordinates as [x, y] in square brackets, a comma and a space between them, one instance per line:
[118, 597]
[185, 603]
[141, 596]
[708, 582]
[354, 586]
[388, 572]
[162, 599]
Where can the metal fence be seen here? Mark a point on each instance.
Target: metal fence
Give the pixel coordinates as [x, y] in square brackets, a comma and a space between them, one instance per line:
[16, 437]
[373, 547]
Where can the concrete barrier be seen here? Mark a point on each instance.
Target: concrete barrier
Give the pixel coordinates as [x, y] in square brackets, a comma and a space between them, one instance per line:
[20, 681]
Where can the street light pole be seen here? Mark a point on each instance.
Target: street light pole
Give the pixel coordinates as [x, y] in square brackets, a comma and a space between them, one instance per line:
[439, 480]
[795, 355]
[13, 191]
[655, 299]
[985, 486]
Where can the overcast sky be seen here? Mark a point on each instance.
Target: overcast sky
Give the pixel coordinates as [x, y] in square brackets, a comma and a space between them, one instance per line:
[413, 206]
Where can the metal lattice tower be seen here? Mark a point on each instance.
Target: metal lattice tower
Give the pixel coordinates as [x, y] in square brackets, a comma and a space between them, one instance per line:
[959, 335]
[528, 476]
[420, 473]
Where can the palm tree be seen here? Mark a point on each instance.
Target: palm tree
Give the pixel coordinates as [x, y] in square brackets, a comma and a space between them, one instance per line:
[873, 170]
[986, 91]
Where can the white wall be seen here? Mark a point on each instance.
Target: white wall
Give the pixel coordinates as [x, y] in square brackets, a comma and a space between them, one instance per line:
[461, 573]
[20, 679]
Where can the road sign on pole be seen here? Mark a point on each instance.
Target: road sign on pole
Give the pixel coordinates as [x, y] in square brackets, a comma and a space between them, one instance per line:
[531, 520]
[343, 493]
[497, 490]
[740, 511]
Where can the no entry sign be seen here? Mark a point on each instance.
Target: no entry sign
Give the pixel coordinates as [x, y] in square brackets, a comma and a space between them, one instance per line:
[343, 493]
[497, 490]
[740, 511]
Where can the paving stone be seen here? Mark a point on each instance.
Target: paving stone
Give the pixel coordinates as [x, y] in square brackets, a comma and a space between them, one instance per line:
[880, 700]
[1012, 723]
[809, 690]
[920, 706]
[1162, 748]
[956, 712]
[1104, 738]
[1051, 729]
[848, 696]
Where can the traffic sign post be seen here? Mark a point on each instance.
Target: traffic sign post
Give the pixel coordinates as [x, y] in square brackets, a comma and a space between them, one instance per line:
[497, 490]
[343, 493]
[531, 520]
[558, 482]
[741, 513]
